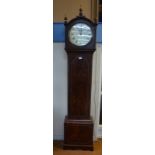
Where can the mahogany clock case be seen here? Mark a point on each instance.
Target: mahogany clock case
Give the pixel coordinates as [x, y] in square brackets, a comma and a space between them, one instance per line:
[78, 125]
[79, 85]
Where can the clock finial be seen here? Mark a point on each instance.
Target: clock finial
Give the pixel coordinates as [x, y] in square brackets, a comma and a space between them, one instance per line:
[65, 20]
[80, 12]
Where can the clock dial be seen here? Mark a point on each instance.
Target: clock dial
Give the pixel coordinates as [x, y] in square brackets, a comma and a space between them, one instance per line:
[80, 34]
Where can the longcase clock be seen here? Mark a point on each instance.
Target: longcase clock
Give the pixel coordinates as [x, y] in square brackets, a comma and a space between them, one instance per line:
[80, 44]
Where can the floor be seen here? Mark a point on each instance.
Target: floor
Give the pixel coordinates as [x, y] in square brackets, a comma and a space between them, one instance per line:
[57, 149]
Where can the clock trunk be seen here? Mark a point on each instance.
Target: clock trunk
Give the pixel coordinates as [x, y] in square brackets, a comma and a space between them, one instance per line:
[79, 85]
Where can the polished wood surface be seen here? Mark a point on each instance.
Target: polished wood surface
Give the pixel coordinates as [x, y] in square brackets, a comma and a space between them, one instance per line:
[79, 85]
[78, 134]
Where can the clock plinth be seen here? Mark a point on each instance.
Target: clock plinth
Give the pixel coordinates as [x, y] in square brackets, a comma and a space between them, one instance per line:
[80, 44]
[78, 134]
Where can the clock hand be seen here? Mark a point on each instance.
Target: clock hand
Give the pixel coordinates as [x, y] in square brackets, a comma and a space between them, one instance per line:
[81, 31]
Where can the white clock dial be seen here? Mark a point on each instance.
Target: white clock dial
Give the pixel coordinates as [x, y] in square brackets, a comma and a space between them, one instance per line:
[80, 34]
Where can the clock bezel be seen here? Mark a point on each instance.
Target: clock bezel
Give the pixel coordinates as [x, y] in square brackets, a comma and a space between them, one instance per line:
[76, 44]
[91, 45]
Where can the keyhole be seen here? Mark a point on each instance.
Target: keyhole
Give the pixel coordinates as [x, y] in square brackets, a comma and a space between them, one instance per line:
[80, 58]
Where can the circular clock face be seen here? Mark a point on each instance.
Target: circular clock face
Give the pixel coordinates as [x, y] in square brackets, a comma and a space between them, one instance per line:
[80, 34]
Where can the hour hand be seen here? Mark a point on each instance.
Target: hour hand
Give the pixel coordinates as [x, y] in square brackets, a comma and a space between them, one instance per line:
[80, 31]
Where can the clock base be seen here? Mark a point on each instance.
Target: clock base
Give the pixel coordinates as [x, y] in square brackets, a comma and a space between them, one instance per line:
[78, 134]
[78, 147]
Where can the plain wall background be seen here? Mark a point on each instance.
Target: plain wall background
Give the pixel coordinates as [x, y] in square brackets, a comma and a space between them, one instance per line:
[70, 8]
